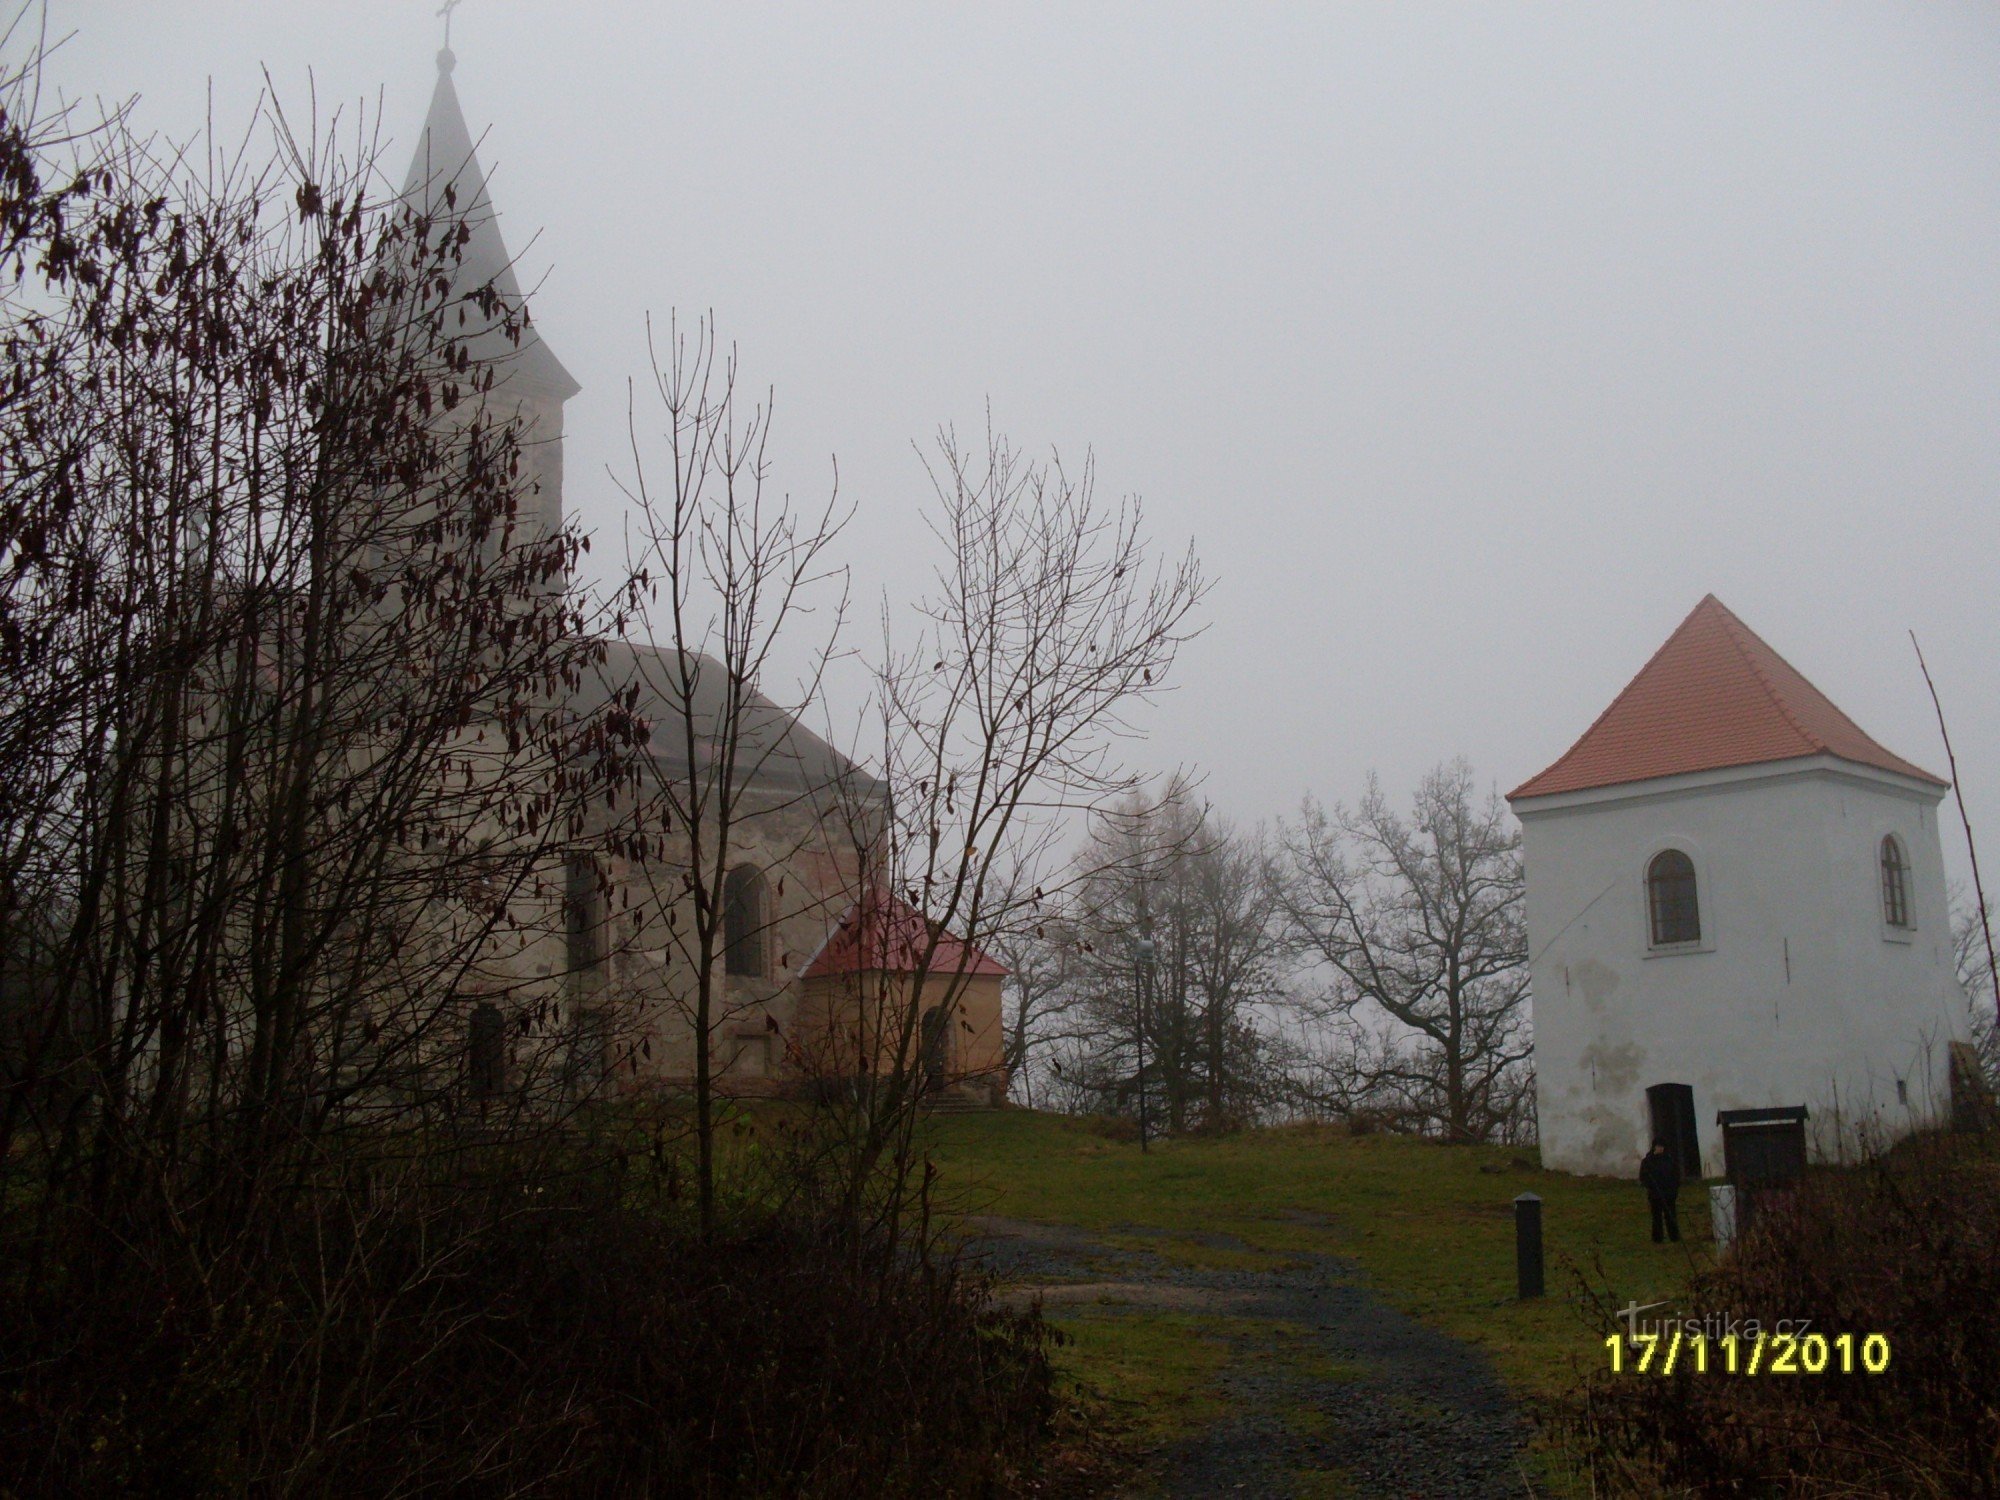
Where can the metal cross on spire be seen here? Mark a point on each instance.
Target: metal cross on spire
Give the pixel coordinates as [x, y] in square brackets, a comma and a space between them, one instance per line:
[446, 59]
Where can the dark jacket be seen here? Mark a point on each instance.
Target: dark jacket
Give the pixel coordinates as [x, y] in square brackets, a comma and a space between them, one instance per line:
[1660, 1174]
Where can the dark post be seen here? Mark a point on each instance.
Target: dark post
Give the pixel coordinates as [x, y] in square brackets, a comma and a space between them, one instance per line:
[1528, 1244]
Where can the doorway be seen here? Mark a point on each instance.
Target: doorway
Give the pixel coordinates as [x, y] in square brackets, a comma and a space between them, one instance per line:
[1672, 1108]
[936, 1042]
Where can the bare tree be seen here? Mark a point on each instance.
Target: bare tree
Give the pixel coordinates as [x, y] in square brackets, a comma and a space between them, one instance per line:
[289, 751]
[722, 574]
[1968, 942]
[1237, 962]
[1037, 945]
[1046, 623]
[1418, 922]
[1182, 1032]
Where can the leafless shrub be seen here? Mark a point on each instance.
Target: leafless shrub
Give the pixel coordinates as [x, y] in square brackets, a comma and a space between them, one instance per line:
[1907, 1246]
[438, 1331]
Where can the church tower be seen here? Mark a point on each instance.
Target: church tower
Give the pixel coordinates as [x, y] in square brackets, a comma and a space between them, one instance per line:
[447, 184]
[1736, 903]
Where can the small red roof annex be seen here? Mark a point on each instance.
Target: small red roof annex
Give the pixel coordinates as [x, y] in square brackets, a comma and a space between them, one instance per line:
[886, 933]
[1715, 695]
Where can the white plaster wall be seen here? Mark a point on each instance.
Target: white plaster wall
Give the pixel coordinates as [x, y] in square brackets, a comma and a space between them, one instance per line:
[541, 438]
[1798, 993]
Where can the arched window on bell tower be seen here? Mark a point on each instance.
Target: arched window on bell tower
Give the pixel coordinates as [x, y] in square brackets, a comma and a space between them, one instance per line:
[1895, 884]
[1673, 906]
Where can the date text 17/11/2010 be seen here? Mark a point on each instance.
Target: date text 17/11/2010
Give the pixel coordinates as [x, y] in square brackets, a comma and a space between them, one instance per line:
[1766, 1354]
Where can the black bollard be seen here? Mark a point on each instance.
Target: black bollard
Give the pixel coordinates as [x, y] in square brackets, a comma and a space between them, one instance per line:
[1528, 1244]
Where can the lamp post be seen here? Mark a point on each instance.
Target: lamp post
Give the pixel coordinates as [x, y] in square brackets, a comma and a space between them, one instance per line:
[1143, 974]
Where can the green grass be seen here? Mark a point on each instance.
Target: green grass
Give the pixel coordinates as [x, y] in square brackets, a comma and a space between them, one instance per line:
[1155, 1375]
[1434, 1233]
[1316, 1484]
[1155, 1371]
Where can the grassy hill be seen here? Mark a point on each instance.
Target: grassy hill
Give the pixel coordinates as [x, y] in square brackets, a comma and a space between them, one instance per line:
[1431, 1226]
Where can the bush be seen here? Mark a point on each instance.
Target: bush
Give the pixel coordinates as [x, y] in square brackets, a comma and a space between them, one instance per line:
[472, 1339]
[1121, 1128]
[1907, 1246]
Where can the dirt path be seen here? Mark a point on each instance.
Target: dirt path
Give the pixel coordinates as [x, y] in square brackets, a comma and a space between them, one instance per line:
[1326, 1390]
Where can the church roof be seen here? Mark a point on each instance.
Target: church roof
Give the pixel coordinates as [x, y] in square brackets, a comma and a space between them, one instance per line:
[773, 748]
[1714, 696]
[447, 184]
[886, 933]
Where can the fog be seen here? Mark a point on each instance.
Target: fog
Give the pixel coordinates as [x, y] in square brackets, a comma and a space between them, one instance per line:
[1471, 345]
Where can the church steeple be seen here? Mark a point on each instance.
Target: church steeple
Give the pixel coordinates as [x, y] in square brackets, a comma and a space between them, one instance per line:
[447, 183]
[448, 186]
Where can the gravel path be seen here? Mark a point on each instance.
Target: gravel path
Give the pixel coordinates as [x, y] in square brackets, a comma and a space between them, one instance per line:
[1329, 1390]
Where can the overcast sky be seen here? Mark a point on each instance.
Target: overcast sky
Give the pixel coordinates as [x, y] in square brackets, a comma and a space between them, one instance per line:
[1470, 344]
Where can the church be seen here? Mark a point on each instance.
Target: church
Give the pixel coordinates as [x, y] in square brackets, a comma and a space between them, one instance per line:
[1736, 906]
[815, 962]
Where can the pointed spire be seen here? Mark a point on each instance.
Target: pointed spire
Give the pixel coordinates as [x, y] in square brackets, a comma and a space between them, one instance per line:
[447, 182]
[1715, 695]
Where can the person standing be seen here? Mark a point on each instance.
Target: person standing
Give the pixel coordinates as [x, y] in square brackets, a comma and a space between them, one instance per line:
[1660, 1175]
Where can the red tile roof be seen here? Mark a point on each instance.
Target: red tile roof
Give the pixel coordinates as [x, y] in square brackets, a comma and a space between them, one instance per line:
[887, 933]
[1714, 695]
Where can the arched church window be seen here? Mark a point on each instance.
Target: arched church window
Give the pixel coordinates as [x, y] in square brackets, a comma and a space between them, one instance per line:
[583, 916]
[486, 1051]
[743, 922]
[1895, 884]
[1671, 900]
